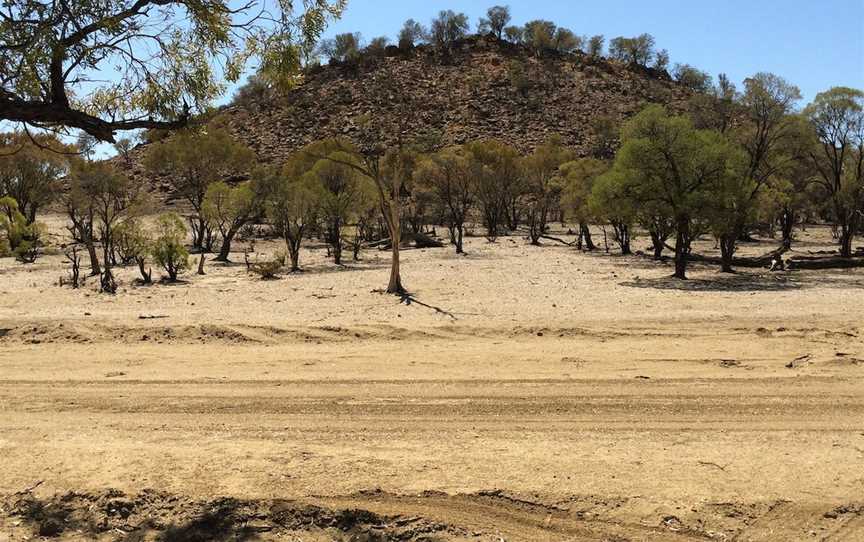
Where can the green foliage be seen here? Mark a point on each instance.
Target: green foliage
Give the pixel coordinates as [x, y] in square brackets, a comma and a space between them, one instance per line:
[498, 181]
[837, 118]
[519, 78]
[227, 207]
[22, 239]
[173, 55]
[666, 163]
[290, 200]
[637, 51]
[496, 20]
[449, 175]
[342, 194]
[661, 60]
[131, 241]
[595, 46]
[543, 183]
[539, 35]
[268, 269]
[31, 174]
[342, 47]
[192, 161]
[377, 47]
[715, 108]
[448, 28]
[691, 77]
[514, 34]
[412, 33]
[168, 247]
[579, 177]
[567, 42]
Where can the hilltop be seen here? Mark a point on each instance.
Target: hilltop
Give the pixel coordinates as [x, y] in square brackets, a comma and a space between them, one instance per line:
[483, 88]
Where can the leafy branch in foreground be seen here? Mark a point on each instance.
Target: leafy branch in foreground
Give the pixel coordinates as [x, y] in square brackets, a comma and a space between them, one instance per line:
[170, 58]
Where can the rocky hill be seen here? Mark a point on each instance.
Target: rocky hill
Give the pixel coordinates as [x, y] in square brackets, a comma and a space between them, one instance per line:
[483, 89]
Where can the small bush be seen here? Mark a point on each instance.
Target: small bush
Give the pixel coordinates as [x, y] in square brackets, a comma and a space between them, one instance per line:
[269, 269]
[132, 244]
[20, 239]
[168, 249]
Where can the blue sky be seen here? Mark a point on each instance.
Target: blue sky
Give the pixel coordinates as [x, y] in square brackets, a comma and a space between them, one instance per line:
[815, 44]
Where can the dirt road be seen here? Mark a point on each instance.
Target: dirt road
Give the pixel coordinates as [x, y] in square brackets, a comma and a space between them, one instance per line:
[656, 415]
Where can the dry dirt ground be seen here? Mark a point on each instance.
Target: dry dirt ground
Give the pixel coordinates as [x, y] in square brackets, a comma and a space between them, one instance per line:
[558, 396]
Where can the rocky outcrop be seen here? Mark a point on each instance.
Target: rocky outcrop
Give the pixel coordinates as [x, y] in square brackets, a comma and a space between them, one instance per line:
[483, 89]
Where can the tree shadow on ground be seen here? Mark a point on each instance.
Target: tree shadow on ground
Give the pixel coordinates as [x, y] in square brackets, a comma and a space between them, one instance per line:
[331, 268]
[734, 282]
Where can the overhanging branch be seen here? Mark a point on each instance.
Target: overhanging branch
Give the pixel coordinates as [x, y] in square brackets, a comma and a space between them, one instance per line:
[42, 113]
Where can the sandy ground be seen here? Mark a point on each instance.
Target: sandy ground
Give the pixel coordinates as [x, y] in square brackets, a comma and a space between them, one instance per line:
[557, 395]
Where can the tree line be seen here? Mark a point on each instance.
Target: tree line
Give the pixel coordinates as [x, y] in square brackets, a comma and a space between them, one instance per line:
[538, 36]
[740, 162]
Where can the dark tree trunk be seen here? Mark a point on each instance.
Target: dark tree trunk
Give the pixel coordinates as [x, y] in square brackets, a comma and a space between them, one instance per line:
[585, 232]
[622, 236]
[513, 217]
[200, 238]
[225, 249]
[682, 248]
[146, 275]
[727, 251]
[337, 252]
[534, 230]
[459, 249]
[787, 223]
[657, 243]
[95, 268]
[293, 245]
[394, 286]
[847, 232]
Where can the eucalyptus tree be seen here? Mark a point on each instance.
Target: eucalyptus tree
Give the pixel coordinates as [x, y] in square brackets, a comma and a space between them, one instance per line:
[837, 116]
[386, 154]
[579, 178]
[495, 167]
[638, 51]
[450, 177]
[765, 134]
[29, 173]
[665, 161]
[98, 198]
[412, 33]
[447, 29]
[169, 58]
[191, 161]
[291, 202]
[341, 194]
[496, 20]
[543, 184]
[228, 209]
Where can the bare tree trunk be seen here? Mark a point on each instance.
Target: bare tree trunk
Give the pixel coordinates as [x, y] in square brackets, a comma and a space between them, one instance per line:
[585, 232]
[657, 244]
[293, 245]
[682, 248]
[622, 236]
[95, 268]
[787, 223]
[146, 275]
[847, 232]
[395, 227]
[727, 251]
[225, 249]
[459, 229]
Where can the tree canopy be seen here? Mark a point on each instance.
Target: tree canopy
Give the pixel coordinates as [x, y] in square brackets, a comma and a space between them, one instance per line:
[104, 66]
